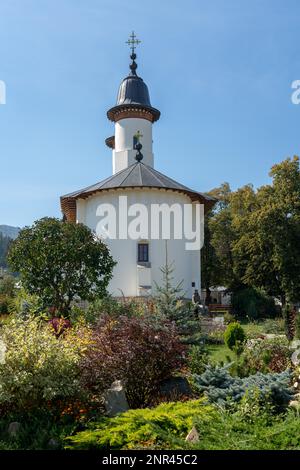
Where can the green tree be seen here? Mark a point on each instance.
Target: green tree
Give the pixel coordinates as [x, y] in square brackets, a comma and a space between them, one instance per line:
[168, 294]
[222, 230]
[210, 272]
[61, 262]
[170, 303]
[220, 226]
[268, 249]
[253, 237]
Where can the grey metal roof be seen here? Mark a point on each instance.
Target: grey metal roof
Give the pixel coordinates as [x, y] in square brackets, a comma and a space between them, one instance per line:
[138, 175]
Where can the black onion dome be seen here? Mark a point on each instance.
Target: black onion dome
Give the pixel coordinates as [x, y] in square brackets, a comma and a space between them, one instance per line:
[133, 93]
[133, 90]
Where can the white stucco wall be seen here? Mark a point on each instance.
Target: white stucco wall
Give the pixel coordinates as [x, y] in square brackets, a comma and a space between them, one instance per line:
[123, 154]
[125, 275]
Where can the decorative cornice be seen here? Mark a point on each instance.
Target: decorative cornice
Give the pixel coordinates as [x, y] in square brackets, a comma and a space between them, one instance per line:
[133, 111]
[110, 142]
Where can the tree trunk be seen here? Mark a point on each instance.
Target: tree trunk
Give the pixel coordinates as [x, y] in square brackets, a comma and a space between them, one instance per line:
[283, 301]
[208, 296]
[290, 321]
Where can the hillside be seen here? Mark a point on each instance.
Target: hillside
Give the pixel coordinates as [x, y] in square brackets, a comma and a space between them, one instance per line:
[4, 246]
[7, 234]
[9, 231]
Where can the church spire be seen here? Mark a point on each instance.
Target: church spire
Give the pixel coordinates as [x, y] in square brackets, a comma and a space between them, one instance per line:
[132, 42]
[133, 98]
[133, 116]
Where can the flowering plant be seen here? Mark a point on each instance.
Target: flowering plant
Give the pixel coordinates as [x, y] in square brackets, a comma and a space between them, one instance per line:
[37, 366]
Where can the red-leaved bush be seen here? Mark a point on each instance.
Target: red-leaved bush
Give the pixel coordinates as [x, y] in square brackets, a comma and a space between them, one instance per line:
[59, 325]
[139, 351]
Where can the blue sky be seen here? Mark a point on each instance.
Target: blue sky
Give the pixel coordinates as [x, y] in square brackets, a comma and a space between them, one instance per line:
[220, 71]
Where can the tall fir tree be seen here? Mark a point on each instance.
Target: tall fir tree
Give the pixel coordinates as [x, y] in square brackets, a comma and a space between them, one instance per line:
[168, 294]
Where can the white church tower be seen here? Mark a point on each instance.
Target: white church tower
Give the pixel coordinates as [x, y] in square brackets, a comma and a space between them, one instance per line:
[133, 116]
[139, 259]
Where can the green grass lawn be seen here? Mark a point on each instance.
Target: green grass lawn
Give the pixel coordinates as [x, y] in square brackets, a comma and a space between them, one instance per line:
[220, 353]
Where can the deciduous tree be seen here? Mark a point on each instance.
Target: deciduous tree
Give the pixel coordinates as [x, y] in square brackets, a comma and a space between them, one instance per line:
[60, 262]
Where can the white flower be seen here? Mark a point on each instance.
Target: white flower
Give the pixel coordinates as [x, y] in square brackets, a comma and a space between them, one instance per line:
[296, 384]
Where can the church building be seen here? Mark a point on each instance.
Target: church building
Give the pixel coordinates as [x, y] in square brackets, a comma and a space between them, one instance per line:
[141, 189]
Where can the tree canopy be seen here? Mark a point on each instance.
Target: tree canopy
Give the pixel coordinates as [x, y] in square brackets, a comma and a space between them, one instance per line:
[253, 236]
[61, 262]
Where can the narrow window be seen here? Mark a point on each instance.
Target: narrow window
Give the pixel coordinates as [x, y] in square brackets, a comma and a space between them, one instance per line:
[143, 253]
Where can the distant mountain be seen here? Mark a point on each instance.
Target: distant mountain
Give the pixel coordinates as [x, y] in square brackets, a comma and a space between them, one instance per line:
[9, 231]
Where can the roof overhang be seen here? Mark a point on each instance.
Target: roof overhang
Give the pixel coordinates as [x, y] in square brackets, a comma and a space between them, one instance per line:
[124, 111]
[68, 202]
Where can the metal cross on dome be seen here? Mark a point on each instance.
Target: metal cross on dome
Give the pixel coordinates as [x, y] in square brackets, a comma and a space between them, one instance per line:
[138, 135]
[133, 42]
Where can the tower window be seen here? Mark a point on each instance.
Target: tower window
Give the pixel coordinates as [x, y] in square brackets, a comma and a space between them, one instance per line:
[143, 253]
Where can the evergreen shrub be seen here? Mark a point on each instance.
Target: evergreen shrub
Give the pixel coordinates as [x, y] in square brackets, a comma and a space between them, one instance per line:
[197, 359]
[220, 387]
[235, 337]
[253, 303]
[162, 427]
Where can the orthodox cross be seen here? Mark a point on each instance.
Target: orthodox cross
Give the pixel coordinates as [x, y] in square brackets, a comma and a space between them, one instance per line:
[133, 42]
[138, 135]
